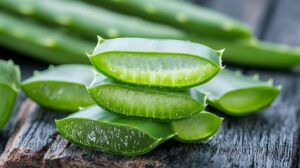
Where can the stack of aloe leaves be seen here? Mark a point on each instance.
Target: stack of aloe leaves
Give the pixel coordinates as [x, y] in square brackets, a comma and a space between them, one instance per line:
[146, 91]
[149, 83]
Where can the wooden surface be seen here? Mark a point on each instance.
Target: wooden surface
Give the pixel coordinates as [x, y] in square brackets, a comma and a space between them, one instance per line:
[269, 138]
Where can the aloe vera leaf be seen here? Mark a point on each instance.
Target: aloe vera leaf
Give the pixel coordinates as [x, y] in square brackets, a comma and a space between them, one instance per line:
[255, 53]
[62, 87]
[199, 127]
[182, 15]
[238, 95]
[79, 19]
[40, 42]
[145, 102]
[90, 20]
[156, 62]
[9, 88]
[97, 129]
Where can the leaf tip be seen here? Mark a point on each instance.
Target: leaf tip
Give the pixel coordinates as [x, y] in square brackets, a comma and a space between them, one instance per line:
[35, 73]
[88, 54]
[256, 76]
[270, 82]
[220, 52]
[100, 39]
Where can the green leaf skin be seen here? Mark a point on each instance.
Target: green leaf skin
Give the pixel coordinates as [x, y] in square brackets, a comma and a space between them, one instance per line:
[9, 88]
[89, 20]
[199, 127]
[146, 102]
[182, 15]
[40, 42]
[254, 53]
[156, 62]
[97, 129]
[61, 88]
[238, 95]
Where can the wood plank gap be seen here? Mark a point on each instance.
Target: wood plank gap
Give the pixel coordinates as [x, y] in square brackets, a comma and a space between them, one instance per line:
[267, 18]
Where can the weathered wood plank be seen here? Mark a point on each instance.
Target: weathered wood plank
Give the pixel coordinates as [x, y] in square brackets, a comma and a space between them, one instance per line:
[284, 29]
[34, 133]
[285, 24]
[8, 129]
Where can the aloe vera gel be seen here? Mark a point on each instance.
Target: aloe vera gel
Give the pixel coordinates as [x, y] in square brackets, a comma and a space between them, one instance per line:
[152, 62]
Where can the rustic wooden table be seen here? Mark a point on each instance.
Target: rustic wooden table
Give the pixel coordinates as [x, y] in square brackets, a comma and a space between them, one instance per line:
[269, 138]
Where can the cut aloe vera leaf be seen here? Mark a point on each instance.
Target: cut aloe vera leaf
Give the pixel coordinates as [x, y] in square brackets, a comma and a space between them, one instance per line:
[62, 87]
[238, 95]
[153, 62]
[9, 88]
[97, 129]
[199, 127]
[144, 101]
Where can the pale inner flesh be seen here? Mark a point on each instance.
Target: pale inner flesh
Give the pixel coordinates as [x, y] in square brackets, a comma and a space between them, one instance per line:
[148, 104]
[173, 70]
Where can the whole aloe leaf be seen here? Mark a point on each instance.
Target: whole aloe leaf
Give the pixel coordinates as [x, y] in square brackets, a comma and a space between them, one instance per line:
[97, 129]
[199, 127]
[255, 53]
[133, 101]
[182, 15]
[154, 62]
[89, 20]
[238, 95]
[41, 42]
[9, 88]
[62, 87]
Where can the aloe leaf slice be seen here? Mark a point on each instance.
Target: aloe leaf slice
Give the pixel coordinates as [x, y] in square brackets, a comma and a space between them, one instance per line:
[62, 87]
[9, 88]
[199, 127]
[239, 95]
[97, 129]
[154, 62]
[137, 101]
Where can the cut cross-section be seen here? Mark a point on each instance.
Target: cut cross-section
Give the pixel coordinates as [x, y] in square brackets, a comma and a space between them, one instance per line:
[146, 102]
[97, 129]
[153, 62]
